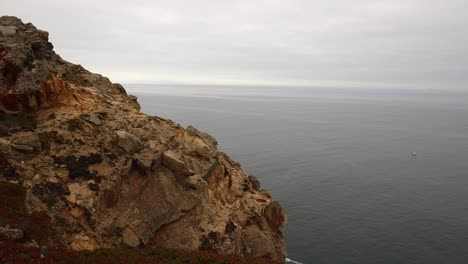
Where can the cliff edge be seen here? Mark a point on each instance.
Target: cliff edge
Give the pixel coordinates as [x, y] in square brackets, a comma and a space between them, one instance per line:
[76, 152]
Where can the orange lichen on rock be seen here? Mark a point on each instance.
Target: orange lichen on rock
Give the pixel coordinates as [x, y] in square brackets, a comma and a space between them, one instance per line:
[48, 93]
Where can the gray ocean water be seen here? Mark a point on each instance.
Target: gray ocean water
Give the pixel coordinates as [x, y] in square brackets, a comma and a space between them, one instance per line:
[340, 161]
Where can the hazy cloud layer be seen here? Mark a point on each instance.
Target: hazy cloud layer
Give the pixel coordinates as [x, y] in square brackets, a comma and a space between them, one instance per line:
[333, 42]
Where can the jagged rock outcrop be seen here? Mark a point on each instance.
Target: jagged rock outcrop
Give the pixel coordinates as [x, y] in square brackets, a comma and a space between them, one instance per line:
[109, 176]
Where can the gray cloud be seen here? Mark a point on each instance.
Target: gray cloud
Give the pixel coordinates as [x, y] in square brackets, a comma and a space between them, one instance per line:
[420, 43]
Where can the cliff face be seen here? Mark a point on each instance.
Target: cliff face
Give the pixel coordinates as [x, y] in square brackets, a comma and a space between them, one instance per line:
[106, 175]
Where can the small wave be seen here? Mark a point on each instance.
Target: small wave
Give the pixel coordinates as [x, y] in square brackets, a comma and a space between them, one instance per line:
[288, 260]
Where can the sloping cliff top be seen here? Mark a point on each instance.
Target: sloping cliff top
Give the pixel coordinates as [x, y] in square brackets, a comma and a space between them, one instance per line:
[104, 175]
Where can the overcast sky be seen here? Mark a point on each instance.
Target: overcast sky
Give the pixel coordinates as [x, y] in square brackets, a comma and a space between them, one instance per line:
[375, 43]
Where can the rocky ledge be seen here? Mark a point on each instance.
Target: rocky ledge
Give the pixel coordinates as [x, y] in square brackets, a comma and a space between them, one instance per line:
[81, 167]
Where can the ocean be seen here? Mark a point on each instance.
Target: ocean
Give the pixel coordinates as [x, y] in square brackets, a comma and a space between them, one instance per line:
[365, 175]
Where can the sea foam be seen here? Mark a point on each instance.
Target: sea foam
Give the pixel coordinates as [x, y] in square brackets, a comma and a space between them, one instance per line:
[288, 260]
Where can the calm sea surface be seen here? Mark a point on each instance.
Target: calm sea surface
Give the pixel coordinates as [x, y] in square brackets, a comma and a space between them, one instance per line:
[340, 162]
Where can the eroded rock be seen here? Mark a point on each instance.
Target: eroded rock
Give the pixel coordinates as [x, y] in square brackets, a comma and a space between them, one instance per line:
[210, 140]
[27, 143]
[108, 175]
[147, 162]
[128, 142]
[93, 118]
[130, 239]
[173, 162]
[80, 194]
[23, 148]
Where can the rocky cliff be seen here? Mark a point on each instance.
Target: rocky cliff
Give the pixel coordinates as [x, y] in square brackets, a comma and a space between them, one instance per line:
[78, 153]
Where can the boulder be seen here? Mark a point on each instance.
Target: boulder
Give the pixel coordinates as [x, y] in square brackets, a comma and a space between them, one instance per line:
[23, 148]
[199, 147]
[206, 137]
[172, 161]
[129, 238]
[128, 142]
[80, 194]
[83, 242]
[196, 182]
[27, 143]
[93, 118]
[146, 162]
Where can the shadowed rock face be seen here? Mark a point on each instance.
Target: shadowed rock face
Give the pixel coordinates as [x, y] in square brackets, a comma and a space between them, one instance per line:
[27, 61]
[110, 176]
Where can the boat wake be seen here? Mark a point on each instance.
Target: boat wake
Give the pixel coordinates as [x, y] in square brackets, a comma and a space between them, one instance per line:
[288, 260]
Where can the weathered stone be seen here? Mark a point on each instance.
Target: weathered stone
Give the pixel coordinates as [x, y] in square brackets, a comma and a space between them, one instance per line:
[130, 239]
[201, 144]
[207, 137]
[80, 194]
[76, 212]
[199, 147]
[8, 30]
[177, 166]
[146, 162]
[128, 142]
[22, 148]
[11, 234]
[93, 118]
[196, 182]
[83, 242]
[23, 46]
[28, 143]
